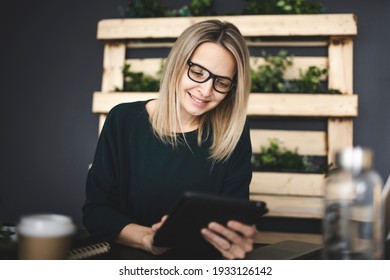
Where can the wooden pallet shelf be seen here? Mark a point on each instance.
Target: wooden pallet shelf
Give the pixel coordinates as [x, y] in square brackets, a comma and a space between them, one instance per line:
[287, 194]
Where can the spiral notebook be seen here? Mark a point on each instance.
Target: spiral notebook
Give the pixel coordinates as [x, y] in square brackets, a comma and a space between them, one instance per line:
[89, 251]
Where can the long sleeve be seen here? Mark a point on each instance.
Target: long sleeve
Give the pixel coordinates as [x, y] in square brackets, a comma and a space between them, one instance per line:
[239, 168]
[102, 214]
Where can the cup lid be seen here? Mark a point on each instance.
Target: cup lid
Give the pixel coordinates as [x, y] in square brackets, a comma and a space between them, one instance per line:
[45, 225]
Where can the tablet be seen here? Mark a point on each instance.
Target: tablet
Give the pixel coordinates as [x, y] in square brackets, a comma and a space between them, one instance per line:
[195, 211]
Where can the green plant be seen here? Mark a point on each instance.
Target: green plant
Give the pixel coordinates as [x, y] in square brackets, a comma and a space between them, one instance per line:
[268, 77]
[310, 80]
[196, 8]
[138, 81]
[153, 8]
[202, 7]
[274, 157]
[282, 7]
[184, 11]
[143, 9]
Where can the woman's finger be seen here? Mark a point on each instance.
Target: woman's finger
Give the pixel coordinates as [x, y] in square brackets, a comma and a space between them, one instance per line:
[245, 230]
[217, 240]
[156, 226]
[236, 233]
[231, 244]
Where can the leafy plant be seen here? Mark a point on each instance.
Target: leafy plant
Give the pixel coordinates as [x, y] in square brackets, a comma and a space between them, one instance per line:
[143, 9]
[310, 80]
[153, 8]
[138, 81]
[282, 7]
[202, 7]
[184, 11]
[268, 77]
[274, 157]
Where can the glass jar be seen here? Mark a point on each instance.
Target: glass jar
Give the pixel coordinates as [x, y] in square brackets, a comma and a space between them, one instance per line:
[353, 218]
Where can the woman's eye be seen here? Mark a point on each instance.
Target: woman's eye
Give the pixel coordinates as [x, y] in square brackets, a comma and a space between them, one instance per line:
[198, 72]
[223, 83]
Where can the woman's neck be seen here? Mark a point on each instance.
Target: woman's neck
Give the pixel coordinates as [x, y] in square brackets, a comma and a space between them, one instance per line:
[189, 127]
[188, 123]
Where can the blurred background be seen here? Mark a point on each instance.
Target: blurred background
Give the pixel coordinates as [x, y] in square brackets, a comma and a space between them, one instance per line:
[51, 63]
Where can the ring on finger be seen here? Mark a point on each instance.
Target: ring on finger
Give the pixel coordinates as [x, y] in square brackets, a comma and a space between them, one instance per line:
[230, 246]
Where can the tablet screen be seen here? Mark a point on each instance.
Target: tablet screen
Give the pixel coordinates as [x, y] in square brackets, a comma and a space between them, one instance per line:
[195, 211]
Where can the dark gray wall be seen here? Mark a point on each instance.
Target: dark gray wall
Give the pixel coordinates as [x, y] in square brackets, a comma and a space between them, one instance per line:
[51, 63]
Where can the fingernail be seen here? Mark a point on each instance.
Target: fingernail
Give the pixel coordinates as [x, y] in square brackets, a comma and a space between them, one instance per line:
[212, 225]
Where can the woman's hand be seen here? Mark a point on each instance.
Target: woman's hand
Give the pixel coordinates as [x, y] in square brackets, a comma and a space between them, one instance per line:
[141, 237]
[233, 241]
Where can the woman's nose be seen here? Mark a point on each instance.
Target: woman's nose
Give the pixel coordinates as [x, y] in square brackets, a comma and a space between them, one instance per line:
[206, 88]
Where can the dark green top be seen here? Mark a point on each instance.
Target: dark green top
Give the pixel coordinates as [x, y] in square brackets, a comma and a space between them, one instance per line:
[135, 178]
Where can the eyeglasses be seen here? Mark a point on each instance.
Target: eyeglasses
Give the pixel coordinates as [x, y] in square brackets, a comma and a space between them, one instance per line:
[199, 74]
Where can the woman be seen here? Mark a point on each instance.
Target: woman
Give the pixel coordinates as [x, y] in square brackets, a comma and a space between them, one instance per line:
[194, 137]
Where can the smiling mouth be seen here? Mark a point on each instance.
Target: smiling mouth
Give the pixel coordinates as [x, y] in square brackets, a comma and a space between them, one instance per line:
[198, 100]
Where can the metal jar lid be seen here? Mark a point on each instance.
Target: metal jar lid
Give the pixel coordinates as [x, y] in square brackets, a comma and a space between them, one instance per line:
[354, 158]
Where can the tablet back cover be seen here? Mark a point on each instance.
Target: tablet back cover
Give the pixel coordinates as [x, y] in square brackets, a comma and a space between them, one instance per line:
[196, 211]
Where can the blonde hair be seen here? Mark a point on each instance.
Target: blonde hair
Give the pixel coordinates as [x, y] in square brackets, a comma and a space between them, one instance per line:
[226, 121]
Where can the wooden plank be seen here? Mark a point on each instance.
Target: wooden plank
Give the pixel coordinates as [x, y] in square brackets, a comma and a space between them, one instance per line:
[289, 184]
[307, 105]
[113, 62]
[304, 142]
[341, 64]
[151, 66]
[293, 207]
[102, 119]
[340, 136]
[340, 131]
[249, 25]
[275, 43]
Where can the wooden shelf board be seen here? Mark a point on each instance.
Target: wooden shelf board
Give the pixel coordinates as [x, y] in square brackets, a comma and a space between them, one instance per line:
[249, 25]
[260, 104]
[289, 184]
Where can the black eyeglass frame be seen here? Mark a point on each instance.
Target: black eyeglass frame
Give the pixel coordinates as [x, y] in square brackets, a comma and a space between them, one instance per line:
[211, 76]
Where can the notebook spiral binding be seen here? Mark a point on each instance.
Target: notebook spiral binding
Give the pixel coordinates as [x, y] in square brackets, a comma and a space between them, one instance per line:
[89, 251]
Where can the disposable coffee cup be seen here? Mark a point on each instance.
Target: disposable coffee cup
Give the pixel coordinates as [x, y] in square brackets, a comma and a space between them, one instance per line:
[44, 237]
